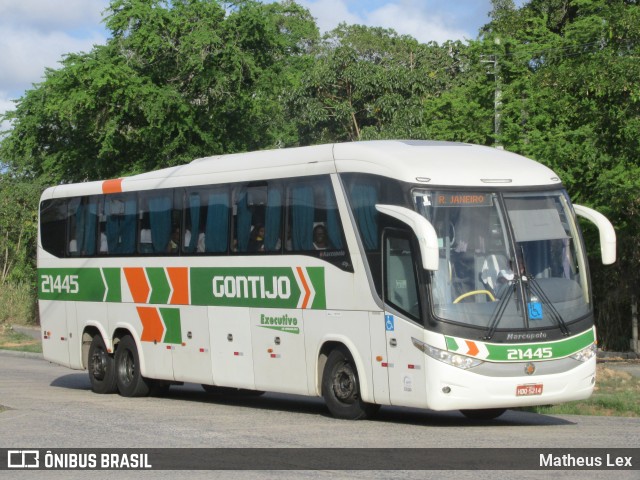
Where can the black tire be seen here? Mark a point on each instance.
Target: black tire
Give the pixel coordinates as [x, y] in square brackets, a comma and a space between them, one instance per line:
[101, 367]
[484, 413]
[130, 381]
[341, 387]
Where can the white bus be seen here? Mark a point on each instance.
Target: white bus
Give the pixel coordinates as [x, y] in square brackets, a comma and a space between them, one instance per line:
[438, 275]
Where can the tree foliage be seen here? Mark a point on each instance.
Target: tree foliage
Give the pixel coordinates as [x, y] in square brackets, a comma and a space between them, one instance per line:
[18, 227]
[178, 79]
[368, 83]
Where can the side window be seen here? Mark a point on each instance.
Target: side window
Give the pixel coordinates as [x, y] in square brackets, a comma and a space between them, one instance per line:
[82, 226]
[120, 223]
[364, 197]
[301, 215]
[400, 280]
[257, 214]
[364, 192]
[206, 220]
[53, 226]
[313, 220]
[313, 225]
[159, 224]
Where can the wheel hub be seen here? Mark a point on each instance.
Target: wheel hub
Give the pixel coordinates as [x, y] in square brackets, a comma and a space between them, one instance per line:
[344, 384]
[99, 365]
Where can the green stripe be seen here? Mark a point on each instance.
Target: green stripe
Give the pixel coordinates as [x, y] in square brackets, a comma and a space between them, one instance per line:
[522, 352]
[532, 351]
[112, 277]
[71, 284]
[269, 287]
[171, 318]
[316, 276]
[452, 345]
[160, 288]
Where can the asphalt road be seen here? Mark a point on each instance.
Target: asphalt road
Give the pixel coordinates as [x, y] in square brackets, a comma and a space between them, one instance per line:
[49, 406]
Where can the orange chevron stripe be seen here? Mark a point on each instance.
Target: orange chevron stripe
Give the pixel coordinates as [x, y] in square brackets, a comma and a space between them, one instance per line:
[179, 278]
[112, 186]
[473, 348]
[307, 290]
[138, 284]
[152, 327]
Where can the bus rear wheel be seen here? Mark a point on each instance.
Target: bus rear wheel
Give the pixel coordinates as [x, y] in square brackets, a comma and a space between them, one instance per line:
[130, 381]
[341, 387]
[101, 367]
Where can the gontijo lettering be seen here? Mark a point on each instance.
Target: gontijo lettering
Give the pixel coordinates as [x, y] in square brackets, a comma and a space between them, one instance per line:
[251, 287]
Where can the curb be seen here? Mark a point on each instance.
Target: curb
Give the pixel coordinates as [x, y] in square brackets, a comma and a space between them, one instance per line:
[16, 353]
[613, 356]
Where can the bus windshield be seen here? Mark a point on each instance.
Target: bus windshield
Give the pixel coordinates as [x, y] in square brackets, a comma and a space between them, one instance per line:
[507, 260]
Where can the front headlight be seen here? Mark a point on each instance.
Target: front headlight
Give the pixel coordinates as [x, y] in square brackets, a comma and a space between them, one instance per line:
[453, 359]
[586, 353]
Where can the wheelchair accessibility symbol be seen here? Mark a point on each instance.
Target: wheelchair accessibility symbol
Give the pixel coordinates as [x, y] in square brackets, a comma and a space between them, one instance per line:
[535, 310]
[389, 325]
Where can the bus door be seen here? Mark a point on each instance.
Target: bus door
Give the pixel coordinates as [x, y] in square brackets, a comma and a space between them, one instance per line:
[279, 350]
[55, 330]
[232, 354]
[191, 352]
[405, 363]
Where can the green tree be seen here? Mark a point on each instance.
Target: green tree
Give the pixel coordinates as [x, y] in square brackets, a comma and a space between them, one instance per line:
[368, 83]
[178, 79]
[18, 229]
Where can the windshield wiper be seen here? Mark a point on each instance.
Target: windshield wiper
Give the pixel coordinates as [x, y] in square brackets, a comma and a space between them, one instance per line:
[555, 315]
[498, 313]
[539, 292]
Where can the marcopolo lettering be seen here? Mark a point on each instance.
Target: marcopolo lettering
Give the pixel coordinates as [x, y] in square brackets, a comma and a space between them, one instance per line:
[251, 287]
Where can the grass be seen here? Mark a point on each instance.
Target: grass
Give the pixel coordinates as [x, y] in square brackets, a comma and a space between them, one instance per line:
[18, 304]
[617, 393]
[12, 340]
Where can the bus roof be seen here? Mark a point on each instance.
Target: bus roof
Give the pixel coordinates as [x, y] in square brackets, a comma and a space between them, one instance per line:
[415, 161]
[442, 163]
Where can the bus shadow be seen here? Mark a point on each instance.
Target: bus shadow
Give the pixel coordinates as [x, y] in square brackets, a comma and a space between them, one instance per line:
[386, 414]
[316, 406]
[268, 401]
[72, 381]
[511, 418]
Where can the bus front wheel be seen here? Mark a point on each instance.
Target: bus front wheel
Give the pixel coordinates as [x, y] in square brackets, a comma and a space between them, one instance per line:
[102, 371]
[129, 379]
[341, 387]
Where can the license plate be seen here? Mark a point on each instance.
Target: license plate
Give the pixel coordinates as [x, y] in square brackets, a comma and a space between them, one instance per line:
[530, 389]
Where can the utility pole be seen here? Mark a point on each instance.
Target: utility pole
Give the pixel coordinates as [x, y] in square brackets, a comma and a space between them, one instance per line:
[635, 345]
[497, 97]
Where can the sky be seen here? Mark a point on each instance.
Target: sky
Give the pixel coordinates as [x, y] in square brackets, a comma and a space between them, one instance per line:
[36, 34]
